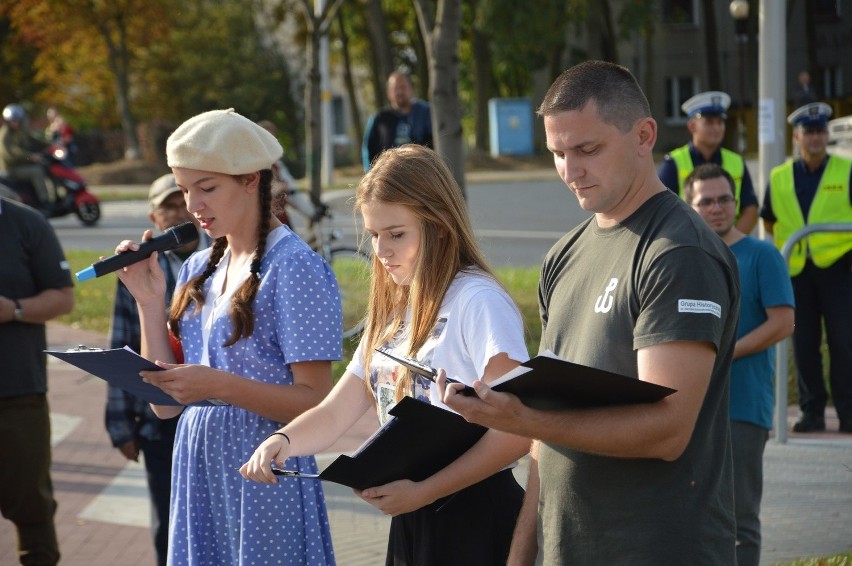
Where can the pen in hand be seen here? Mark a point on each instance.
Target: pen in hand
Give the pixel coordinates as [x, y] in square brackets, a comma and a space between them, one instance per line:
[426, 371]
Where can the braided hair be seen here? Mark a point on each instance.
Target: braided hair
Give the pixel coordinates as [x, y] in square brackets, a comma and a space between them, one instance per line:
[242, 301]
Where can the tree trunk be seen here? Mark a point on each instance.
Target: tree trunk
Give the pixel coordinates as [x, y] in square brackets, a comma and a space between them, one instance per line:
[608, 37]
[377, 29]
[441, 35]
[483, 85]
[313, 116]
[349, 80]
[317, 27]
[118, 56]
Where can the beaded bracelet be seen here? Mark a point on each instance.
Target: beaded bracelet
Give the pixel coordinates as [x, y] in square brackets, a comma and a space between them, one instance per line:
[279, 434]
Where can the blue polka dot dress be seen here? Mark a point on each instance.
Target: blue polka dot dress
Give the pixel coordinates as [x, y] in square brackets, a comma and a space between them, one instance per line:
[217, 517]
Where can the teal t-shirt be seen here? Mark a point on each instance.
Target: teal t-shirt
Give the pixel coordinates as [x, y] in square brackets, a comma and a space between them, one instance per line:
[764, 283]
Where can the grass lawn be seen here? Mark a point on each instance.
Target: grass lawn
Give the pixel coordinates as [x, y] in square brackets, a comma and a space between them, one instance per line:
[94, 300]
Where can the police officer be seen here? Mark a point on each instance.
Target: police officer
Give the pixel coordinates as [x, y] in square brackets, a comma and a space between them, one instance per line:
[815, 189]
[707, 112]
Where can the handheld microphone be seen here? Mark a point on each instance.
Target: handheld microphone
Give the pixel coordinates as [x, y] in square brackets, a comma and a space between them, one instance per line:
[174, 237]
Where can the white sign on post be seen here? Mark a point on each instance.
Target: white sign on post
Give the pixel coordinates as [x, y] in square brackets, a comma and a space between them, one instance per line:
[766, 121]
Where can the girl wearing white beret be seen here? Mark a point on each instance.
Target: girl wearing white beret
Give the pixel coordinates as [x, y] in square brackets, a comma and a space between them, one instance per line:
[258, 318]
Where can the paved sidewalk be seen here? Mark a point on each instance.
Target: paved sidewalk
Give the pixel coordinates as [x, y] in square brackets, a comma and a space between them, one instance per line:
[102, 515]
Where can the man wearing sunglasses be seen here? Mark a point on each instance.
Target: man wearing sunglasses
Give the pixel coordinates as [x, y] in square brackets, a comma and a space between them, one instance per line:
[815, 189]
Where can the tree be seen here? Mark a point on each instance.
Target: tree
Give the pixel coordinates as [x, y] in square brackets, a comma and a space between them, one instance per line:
[503, 49]
[17, 59]
[441, 32]
[239, 67]
[348, 77]
[317, 25]
[382, 58]
[111, 32]
[638, 17]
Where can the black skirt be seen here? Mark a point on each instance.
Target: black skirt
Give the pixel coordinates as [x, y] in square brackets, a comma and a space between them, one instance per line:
[471, 527]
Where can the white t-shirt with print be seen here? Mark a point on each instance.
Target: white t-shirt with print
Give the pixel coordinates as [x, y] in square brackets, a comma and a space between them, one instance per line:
[477, 321]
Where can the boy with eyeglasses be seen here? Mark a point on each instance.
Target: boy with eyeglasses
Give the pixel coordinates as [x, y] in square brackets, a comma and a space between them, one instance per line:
[766, 317]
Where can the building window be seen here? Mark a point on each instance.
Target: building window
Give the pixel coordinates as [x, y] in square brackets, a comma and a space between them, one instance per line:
[832, 82]
[338, 116]
[678, 91]
[680, 12]
[825, 11]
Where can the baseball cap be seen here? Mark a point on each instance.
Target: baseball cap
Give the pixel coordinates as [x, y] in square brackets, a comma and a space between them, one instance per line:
[161, 189]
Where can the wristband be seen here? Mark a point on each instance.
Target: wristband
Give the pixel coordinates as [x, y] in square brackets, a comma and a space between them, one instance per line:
[279, 434]
[18, 315]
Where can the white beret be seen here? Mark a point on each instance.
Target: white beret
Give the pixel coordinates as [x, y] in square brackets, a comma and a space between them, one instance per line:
[222, 141]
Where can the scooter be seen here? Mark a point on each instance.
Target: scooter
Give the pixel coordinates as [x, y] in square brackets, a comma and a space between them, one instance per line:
[72, 194]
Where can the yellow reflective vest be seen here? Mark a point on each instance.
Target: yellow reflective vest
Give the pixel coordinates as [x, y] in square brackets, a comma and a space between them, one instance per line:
[731, 162]
[831, 204]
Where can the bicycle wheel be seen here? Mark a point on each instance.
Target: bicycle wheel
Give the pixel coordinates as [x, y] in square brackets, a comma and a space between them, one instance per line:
[352, 269]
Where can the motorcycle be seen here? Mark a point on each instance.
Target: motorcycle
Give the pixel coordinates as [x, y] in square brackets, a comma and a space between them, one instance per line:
[72, 194]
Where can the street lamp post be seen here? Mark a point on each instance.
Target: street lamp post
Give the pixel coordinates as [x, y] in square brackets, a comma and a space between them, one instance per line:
[739, 11]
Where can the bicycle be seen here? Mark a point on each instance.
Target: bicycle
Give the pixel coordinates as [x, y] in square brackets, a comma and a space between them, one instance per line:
[350, 264]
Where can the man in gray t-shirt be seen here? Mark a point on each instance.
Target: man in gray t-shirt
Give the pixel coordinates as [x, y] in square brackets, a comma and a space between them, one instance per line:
[644, 288]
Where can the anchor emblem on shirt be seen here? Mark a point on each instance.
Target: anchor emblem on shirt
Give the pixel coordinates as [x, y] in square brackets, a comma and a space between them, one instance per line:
[604, 302]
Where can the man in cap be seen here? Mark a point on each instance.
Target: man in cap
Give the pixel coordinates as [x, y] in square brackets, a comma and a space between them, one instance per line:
[130, 422]
[815, 189]
[707, 112]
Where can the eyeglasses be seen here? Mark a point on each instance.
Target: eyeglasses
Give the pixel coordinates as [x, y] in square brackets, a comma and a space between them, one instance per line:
[722, 201]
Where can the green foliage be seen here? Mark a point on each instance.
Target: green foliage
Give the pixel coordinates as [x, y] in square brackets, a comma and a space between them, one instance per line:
[17, 59]
[844, 559]
[636, 16]
[522, 39]
[84, 49]
[215, 57]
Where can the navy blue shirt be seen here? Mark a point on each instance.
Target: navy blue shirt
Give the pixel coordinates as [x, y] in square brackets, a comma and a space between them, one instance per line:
[805, 183]
[668, 174]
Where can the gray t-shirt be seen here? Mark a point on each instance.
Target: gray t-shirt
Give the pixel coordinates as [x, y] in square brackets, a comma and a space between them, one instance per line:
[661, 275]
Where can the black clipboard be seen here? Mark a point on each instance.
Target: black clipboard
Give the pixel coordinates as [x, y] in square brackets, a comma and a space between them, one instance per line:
[419, 441]
[549, 382]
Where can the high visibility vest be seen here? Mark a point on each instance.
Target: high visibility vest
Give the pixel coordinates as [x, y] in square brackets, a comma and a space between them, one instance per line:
[731, 162]
[831, 204]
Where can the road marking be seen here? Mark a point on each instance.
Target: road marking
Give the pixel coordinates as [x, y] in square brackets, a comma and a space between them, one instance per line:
[124, 501]
[61, 426]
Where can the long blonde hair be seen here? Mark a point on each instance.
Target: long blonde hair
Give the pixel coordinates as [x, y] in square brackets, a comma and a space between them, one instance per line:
[416, 177]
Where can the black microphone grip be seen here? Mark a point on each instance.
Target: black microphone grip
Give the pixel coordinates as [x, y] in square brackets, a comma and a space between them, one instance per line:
[172, 238]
